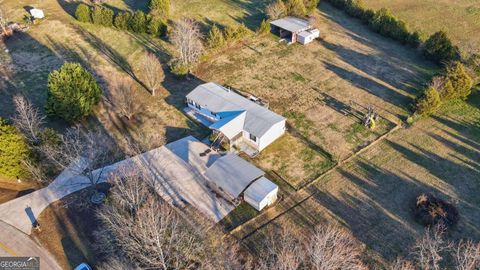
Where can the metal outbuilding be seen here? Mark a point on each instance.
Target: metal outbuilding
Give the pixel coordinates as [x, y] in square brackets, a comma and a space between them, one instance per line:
[261, 193]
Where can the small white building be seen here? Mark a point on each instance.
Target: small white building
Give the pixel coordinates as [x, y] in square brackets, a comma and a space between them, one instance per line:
[261, 193]
[236, 119]
[293, 29]
[37, 13]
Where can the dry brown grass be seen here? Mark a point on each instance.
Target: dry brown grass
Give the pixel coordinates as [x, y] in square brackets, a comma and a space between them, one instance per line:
[459, 18]
[66, 233]
[374, 194]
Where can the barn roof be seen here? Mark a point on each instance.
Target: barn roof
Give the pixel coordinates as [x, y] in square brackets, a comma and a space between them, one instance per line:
[233, 174]
[292, 24]
[218, 99]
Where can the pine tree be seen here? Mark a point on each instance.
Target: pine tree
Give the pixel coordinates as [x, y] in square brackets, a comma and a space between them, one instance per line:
[72, 92]
[13, 150]
[82, 13]
[429, 103]
[215, 38]
[156, 26]
[438, 47]
[138, 22]
[121, 20]
[462, 83]
[264, 27]
[160, 7]
[296, 8]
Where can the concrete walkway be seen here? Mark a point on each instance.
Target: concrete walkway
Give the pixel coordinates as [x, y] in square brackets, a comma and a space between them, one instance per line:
[14, 243]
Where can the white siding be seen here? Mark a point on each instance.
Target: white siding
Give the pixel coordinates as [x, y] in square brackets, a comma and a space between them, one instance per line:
[271, 135]
[246, 136]
[264, 202]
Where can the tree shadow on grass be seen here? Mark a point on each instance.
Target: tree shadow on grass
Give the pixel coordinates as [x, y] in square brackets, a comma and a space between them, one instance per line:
[253, 12]
[25, 72]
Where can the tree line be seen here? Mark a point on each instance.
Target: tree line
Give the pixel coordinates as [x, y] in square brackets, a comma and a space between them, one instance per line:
[153, 23]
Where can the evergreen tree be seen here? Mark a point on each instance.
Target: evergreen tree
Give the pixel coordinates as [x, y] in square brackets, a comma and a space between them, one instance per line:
[72, 92]
[215, 38]
[439, 48]
[156, 26]
[121, 20]
[160, 7]
[429, 103]
[107, 16]
[310, 5]
[97, 15]
[264, 27]
[447, 91]
[296, 8]
[82, 13]
[138, 22]
[462, 83]
[13, 150]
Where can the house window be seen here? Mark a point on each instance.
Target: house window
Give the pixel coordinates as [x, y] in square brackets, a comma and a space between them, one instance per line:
[198, 106]
[253, 138]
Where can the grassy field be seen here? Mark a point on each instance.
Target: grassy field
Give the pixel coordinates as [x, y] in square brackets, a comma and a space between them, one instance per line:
[459, 18]
[324, 89]
[373, 194]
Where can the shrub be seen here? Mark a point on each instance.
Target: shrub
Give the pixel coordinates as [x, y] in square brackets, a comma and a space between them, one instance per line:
[310, 5]
[160, 7]
[82, 13]
[107, 16]
[72, 92]
[387, 25]
[237, 32]
[296, 8]
[138, 23]
[429, 103]
[430, 211]
[461, 82]
[97, 15]
[13, 150]
[121, 20]
[276, 10]
[215, 38]
[157, 26]
[264, 27]
[179, 69]
[439, 48]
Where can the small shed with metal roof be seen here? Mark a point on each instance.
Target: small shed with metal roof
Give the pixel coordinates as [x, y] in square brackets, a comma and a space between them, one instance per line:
[261, 193]
[293, 29]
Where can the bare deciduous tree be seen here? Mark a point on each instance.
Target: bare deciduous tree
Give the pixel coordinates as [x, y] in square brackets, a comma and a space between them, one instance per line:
[117, 263]
[152, 72]
[130, 190]
[155, 237]
[122, 97]
[187, 39]
[36, 172]
[27, 119]
[282, 250]
[429, 250]
[332, 248]
[401, 264]
[467, 256]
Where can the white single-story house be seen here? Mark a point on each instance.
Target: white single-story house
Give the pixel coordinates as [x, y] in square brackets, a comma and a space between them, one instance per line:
[236, 119]
[294, 29]
[37, 13]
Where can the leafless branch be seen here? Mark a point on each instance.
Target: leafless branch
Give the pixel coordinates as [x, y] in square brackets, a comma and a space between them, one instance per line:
[467, 256]
[429, 250]
[152, 72]
[282, 250]
[3, 20]
[332, 248]
[186, 37]
[28, 119]
[122, 97]
[401, 264]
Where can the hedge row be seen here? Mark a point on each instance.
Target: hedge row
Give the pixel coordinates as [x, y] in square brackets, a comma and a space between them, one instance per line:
[137, 22]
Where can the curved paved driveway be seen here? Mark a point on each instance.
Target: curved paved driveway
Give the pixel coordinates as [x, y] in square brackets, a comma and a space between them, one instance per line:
[15, 243]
